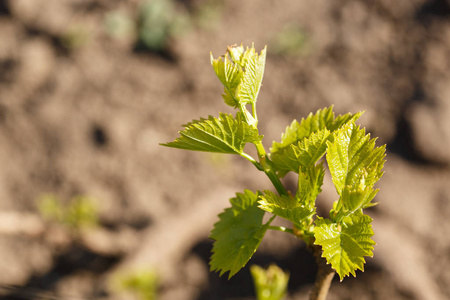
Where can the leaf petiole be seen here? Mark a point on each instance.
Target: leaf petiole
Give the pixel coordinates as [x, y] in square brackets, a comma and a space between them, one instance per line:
[252, 160]
[282, 229]
[254, 112]
[266, 164]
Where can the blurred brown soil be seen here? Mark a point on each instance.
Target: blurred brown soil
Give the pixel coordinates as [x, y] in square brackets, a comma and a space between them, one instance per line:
[87, 118]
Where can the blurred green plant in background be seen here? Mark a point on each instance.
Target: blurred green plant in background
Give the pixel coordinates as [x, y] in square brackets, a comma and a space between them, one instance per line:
[75, 37]
[143, 284]
[158, 22]
[270, 283]
[207, 15]
[119, 25]
[79, 213]
[291, 40]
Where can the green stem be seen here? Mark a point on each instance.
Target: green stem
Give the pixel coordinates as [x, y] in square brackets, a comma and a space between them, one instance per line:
[282, 229]
[271, 219]
[249, 119]
[266, 164]
[254, 112]
[252, 160]
[276, 182]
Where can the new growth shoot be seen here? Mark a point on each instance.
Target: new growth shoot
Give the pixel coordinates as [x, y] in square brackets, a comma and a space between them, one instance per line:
[355, 163]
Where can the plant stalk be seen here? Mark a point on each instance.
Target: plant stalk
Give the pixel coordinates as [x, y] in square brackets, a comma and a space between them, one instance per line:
[276, 182]
[282, 229]
[265, 163]
[253, 161]
[324, 276]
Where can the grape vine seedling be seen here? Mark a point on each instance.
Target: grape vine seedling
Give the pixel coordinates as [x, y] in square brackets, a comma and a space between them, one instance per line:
[355, 163]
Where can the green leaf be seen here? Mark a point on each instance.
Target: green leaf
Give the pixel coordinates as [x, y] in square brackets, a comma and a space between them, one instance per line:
[355, 199]
[247, 91]
[241, 73]
[310, 184]
[237, 234]
[230, 75]
[302, 155]
[352, 200]
[324, 118]
[345, 245]
[224, 135]
[286, 207]
[353, 159]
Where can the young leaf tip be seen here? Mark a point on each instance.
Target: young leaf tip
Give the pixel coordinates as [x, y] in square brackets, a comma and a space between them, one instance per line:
[321, 139]
[240, 71]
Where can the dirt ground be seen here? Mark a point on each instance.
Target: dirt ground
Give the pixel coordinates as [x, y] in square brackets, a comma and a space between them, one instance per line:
[82, 112]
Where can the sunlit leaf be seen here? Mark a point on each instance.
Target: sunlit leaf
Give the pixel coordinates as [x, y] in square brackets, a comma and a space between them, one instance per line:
[237, 234]
[286, 207]
[310, 184]
[323, 118]
[353, 159]
[354, 199]
[230, 75]
[303, 154]
[346, 244]
[248, 89]
[224, 135]
[241, 73]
